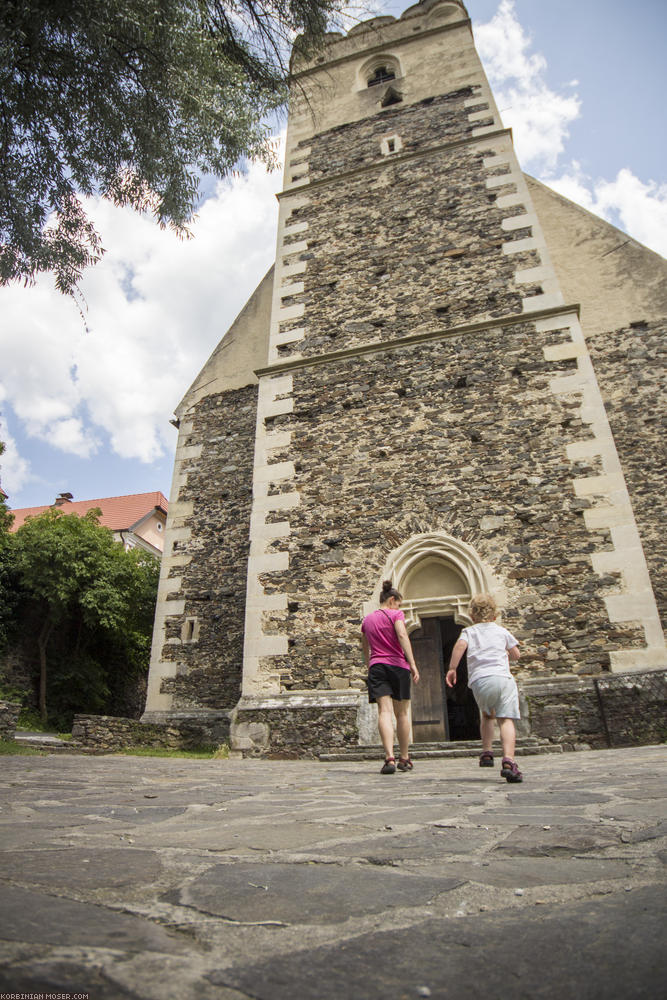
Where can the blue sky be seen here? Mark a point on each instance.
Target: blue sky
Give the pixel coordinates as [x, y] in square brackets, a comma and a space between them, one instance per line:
[581, 84]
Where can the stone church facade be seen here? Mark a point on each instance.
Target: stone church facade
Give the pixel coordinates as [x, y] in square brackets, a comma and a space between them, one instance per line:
[451, 377]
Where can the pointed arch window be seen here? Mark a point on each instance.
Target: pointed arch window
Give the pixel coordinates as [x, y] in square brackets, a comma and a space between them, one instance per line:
[381, 74]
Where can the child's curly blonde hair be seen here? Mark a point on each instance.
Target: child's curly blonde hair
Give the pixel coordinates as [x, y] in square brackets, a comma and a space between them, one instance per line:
[483, 608]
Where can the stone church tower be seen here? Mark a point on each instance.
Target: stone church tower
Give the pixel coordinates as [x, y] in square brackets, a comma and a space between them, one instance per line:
[449, 378]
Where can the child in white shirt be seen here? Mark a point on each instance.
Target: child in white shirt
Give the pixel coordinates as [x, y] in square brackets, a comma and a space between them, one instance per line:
[490, 647]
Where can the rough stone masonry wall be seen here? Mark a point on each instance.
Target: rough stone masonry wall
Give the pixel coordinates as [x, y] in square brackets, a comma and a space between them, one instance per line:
[106, 733]
[462, 435]
[630, 365]
[609, 711]
[9, 714]
[219, 485]
[411, 247]
[357, 144]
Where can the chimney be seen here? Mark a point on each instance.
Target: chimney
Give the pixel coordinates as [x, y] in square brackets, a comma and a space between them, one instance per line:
[63, 498]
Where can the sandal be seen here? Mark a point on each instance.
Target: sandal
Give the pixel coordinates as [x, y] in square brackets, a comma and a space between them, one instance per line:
[404, 764]
[486, 758]
[510, 771]
[389, 766]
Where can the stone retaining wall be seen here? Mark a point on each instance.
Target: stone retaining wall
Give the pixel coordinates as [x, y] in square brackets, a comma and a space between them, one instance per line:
[609, 711]
[9, 714]
[295, 726]
[106, 734]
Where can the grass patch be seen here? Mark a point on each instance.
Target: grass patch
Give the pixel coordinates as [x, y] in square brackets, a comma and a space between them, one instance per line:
[203, 753]
[31, 720]
[8, 748]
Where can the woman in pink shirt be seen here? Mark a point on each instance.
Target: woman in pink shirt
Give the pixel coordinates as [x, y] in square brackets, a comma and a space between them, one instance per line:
[391, 666]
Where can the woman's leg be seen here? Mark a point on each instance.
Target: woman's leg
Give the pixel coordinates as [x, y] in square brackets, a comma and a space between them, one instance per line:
[386, 724]
[402, 727]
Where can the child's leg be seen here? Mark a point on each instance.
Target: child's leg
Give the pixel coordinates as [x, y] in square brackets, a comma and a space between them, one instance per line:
[507, 737]
[486, 729]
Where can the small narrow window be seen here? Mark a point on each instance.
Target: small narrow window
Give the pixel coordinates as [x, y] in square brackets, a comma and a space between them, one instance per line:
[390, 144]
[190, 630]
[381, 75]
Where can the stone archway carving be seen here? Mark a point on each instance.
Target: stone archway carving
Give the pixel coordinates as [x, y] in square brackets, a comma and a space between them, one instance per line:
[437, 575]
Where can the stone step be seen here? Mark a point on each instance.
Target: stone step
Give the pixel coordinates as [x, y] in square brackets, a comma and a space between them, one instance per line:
[46, 741]
[443, 750]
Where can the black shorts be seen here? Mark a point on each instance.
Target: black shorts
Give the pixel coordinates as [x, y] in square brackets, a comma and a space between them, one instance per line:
[385, 678]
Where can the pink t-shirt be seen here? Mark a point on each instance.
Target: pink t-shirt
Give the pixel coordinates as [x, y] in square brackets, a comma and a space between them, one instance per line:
[378, 627]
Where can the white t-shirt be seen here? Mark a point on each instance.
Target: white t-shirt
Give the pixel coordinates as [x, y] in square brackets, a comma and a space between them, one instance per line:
[487, 650]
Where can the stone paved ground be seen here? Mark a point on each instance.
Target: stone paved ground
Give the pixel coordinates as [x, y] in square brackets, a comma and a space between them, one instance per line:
[159, 879]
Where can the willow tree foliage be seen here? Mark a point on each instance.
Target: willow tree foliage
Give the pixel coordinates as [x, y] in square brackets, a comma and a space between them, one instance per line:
[131, 100]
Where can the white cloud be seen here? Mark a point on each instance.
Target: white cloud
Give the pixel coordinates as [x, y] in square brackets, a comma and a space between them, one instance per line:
[637, 208]
[540, 119]
[14, 470]
[538, 116]
[157, 306]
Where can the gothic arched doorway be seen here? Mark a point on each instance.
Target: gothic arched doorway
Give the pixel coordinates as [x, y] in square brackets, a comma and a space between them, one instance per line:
[437, 575]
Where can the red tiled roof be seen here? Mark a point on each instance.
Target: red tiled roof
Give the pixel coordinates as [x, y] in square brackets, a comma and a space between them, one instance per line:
[118, 513]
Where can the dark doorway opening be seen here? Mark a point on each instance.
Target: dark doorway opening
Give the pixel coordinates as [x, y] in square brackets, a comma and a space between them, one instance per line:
[440, 713]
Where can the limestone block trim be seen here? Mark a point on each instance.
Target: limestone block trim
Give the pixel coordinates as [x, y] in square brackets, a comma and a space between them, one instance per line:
[504, 159]
[612, 509]
[168, 606]
[289, 336]
[284, 314]
[274, 399]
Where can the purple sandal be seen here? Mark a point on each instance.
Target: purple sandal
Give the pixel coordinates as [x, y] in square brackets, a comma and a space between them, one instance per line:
[510, 771]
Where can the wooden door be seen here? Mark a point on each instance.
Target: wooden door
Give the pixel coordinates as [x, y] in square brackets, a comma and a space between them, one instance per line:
[429, 714]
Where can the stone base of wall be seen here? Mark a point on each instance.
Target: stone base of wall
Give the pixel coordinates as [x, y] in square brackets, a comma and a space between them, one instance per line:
[599, 712]
[9, 714]
[173, 731]
[299, 724]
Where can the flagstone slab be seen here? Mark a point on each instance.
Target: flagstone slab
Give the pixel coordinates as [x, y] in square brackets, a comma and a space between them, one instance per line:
[533, 871]
[530, 797]
[530, 817]
[267, 836]
[608, 947]
[308, 893]
[536, 841]
[81, 866]
[430, 843]
[41, 919]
